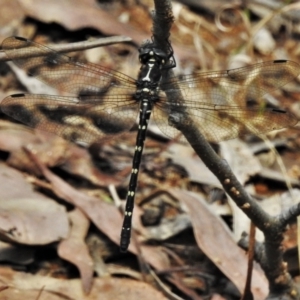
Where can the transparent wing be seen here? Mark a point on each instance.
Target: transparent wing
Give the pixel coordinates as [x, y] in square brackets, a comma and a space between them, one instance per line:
[236, 86]
[101, 104]
[216, 102]
[64, 73]
[73, 119]
[222, 122]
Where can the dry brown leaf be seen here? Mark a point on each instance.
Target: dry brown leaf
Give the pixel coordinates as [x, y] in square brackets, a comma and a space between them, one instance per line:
[79, 162]
[244, 165]
[198, 172]
[26, 216]
[52, 150]
[11, 16]
[105, 216]
[27, 286]
[13, 136]
[215, 240]
[78, 14]
[240, 159]
[74, 248]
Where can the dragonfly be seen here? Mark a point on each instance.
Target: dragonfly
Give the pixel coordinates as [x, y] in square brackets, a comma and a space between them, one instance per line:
[95, 101]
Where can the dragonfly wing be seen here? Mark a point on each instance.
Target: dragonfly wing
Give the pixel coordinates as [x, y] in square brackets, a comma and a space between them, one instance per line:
[64, 73]
[216, 102]
[237, 86]
[72, 119]
[220, 122]
[161, 115]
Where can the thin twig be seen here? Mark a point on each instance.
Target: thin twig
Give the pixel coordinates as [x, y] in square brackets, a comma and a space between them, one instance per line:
[71, 47]
[272, 258]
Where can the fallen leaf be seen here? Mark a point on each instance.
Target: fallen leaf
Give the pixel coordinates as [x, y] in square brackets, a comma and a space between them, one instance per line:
[105, 216]
[28, 217]
[52, 150]
[244, 165]
[185, 156]
[240, 159]
[215, 240]
[11, 16]
[74, 248]
[28, 286]
[78, 14]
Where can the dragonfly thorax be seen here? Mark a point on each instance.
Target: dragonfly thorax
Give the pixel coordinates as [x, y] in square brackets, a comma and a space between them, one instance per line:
[151, 70]
[149, 77]
[153, 61]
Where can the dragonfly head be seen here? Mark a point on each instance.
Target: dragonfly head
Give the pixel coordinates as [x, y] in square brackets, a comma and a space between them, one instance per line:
[150, 54]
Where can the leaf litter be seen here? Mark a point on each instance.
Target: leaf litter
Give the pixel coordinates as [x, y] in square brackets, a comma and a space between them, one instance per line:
[64, 215]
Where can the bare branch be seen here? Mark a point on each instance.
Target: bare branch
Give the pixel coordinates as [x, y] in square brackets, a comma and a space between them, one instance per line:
[63, 48]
